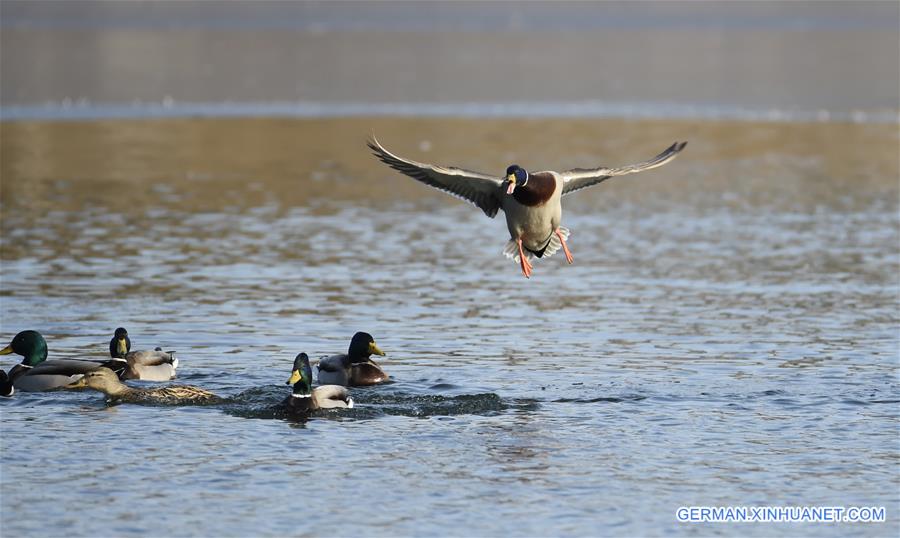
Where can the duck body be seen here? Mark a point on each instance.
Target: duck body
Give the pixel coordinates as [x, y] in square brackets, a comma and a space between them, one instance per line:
[532, 203]
[173, 395]
[534, 212]
[49, 375]
[338, 370]
[321, 397]
[354, 368]
[334, 370]
[364, 374]
[305, 399]
[146, 365]
[107, 381]
[35, 373]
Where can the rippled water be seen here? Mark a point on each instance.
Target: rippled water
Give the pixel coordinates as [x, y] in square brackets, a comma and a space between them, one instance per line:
[726, 336]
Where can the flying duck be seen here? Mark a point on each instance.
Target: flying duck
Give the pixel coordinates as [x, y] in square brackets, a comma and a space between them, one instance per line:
[531, 201]
[356, 368]
[35, 373]
[304, 399]
[156, 365]
[107, 381]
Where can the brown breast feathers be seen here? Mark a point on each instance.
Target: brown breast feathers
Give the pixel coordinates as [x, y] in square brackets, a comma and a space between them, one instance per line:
[537, 190]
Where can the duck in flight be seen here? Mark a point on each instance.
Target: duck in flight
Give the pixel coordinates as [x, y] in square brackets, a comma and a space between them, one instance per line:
[530, 200]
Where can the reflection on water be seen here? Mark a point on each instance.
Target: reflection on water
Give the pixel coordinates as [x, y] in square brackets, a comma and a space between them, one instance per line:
[727, 334]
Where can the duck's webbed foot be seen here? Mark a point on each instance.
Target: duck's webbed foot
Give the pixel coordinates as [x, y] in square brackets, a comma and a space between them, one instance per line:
[565, 247]
[523, 260]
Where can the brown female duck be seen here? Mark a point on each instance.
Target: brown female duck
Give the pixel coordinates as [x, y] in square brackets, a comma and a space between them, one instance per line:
[107, 382]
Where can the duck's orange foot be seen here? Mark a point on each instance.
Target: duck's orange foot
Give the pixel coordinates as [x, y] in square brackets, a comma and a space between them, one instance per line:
[569, 257]
[523, 260]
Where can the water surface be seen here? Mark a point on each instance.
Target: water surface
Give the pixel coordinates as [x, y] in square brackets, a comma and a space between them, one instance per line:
[726, 336]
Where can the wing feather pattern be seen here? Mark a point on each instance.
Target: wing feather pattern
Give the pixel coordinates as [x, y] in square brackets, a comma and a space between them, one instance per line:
[64, 367]
[151, 358]
[473, 187]
[579, 178]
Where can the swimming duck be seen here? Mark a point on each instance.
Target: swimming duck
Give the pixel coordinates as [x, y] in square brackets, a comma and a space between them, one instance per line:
[531, 201]
[106, 381]
[356, 368]
[304, 399]
[35, 372]
[156, 365]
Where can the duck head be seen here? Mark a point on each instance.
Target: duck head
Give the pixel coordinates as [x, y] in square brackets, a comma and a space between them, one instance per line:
[363, 346]
[28, 344]
[102, 379]
[516, 176]
[301, 376]
[120, 344]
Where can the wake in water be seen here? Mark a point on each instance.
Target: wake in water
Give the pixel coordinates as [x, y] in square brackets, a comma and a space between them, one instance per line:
[266, 403]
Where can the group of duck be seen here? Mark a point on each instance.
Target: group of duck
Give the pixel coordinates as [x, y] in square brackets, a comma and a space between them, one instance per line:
[36, 373]
[533, 208]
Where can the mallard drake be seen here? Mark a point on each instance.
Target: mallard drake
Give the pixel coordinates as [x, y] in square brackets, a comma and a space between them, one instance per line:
[356, 368]
[155, 365]
[106, 381]
[35, 372]
[304, 399]
[531, 201]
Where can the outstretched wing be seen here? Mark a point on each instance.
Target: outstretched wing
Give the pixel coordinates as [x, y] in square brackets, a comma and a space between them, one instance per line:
[579, 178]
[474, 187]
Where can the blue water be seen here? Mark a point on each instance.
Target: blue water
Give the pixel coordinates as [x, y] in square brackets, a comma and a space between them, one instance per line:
[710, 346]
[727, 336]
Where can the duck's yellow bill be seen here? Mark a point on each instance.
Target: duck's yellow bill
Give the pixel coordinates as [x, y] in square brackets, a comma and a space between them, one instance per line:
[7, 350]
[81, 383]
[373, 349]
[512, 183]
[295, 376]
[122, 346]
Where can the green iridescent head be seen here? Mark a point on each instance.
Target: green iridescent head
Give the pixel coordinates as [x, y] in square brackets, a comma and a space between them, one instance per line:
[30, 345]
[363, 346]
[301, 375]
[120, 344]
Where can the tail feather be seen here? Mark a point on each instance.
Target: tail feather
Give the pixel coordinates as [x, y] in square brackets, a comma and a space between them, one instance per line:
[511, 250]
[555, 244]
